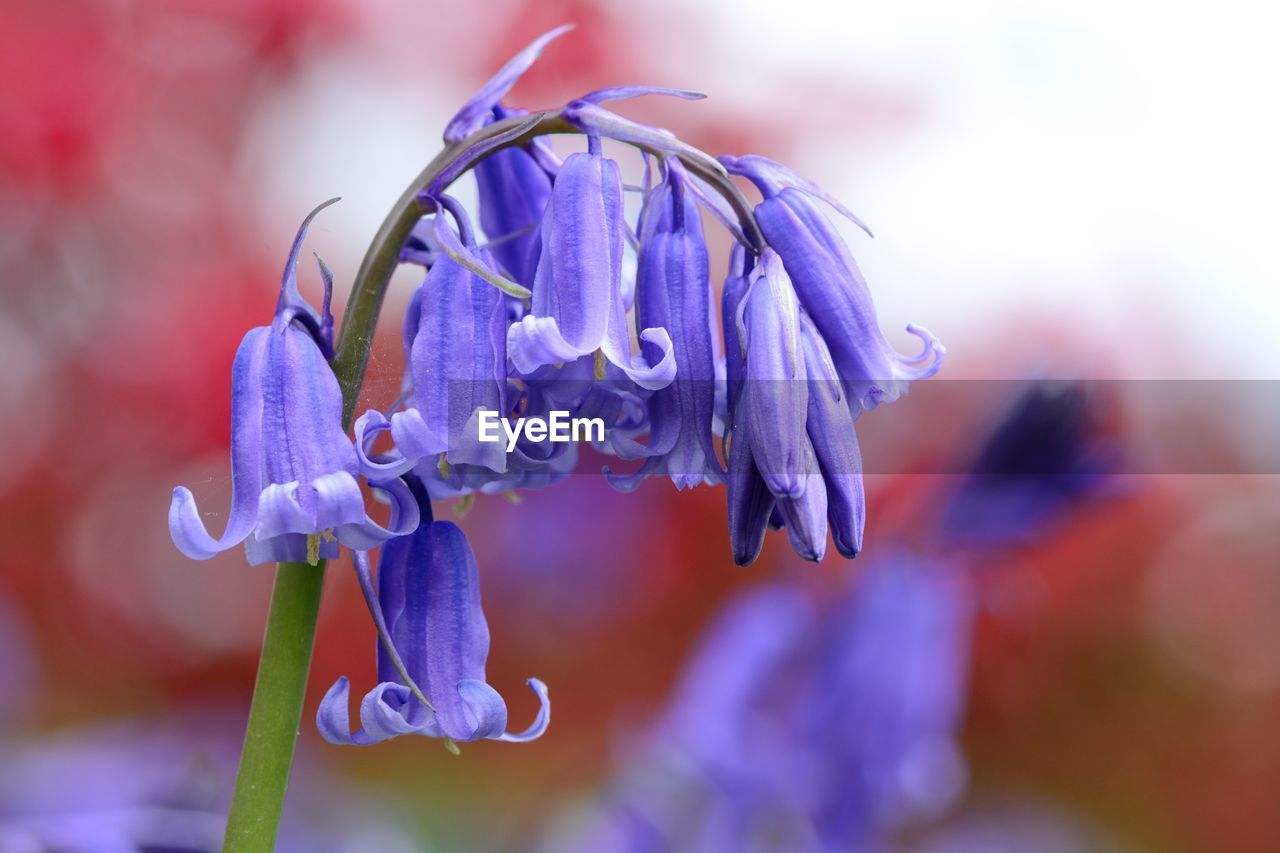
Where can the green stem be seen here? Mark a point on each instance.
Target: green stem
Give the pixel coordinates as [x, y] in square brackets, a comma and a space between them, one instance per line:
[295, 602]
[276, 710]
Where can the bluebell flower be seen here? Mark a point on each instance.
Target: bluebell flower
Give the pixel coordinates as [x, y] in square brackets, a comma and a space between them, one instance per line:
[455, 345]
[433, 649]
[778, 425]
[830, 286]
[672, 287]
[295, 492]
[577, 305]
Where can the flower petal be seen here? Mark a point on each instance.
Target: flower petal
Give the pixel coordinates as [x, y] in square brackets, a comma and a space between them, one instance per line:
[835, 443]
[364, 576]
[367, 428]
[185, 526]
[413, 438]
[806, 515]
[486, 713]
[771, 176]
[673, 293]
[384, 713]
[280, 511]
[367, 534]
[458, 360]
[513, 189]
[750, 501]
[540, 722]
[333, 718]
[338, 500]
[303, 436]
[381, 715]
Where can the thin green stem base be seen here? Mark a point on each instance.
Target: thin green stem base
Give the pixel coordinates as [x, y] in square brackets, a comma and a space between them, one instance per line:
[276, 710]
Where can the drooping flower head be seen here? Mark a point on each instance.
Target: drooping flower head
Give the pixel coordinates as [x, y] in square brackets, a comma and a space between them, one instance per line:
[295, 492]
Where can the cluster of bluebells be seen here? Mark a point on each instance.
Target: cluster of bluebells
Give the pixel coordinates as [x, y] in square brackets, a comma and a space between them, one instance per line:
[559, 302]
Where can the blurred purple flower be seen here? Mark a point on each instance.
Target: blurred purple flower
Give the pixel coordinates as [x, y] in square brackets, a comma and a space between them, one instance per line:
[19, 672]
[803, 733]
[295, 494]
[1042, 456]
[897, 651]
[151, 784]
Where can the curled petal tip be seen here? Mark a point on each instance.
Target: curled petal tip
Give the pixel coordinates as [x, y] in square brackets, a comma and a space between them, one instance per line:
[543, 719]
[332, 717]
[930, 358]
[189, 533]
